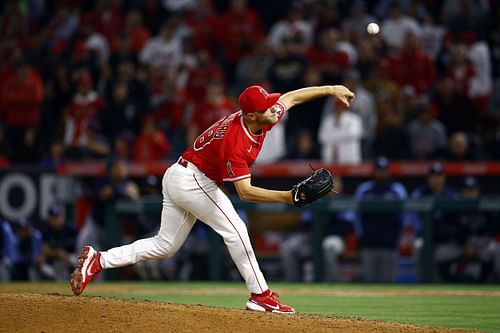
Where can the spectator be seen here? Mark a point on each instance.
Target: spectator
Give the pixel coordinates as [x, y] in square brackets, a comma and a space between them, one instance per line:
[364, 106]
[340, 134]
[8, 253]
[108, 19]
[92, 146]
[122, 112]
[459, 148]
[460, 70]
[21, 95]
[412, 8]
[287, 70]
[136, 34]
[163, 52]
[202, 20]
[307, 115]
[385, 91]
[154, 14]
[151, 144]
[138, 91]
[444, 225]
[253, 68]
[479, 248]
[214, 106]
[457, 112]
[58, 94]
[238, 30]
[58, 245]
[114, 186]
[94, 41]
[393, 140]
[380, 230]
[328, 57]
[411, 66]
[462, 16]
[84, 109]
[367, 56]
[28, 249]
[396, 27]
[55, 158]
[292, 27]
[354, 26]
[478, 53]
[122, 146]
[305, 147]
[59, 30]
[206, 70]
[432, 36]
[427, 134]
[4, 161]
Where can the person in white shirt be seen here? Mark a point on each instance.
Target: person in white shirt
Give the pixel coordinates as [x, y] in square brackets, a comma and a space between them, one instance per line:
[293, 27]
[163, 52]
[340, 135]
[394, 28]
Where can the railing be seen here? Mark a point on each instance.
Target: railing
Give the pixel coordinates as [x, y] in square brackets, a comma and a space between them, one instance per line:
[423, 206]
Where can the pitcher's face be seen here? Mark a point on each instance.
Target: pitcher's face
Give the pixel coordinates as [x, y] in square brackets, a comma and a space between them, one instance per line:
[267, 117]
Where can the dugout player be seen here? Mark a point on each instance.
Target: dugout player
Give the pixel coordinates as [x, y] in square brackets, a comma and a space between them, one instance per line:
[191, 190]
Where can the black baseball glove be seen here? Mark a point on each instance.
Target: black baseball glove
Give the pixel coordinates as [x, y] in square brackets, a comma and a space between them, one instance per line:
[312, 188]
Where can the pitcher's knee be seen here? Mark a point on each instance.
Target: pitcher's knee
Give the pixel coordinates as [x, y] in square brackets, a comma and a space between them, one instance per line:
[164, 248]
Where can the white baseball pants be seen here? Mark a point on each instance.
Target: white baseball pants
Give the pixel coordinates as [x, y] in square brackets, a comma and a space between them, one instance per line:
[189, 195]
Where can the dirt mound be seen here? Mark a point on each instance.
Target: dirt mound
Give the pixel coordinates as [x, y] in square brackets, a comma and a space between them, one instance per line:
[61, 313]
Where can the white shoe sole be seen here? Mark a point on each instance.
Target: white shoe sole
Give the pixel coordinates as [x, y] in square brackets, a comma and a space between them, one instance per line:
[255, 307]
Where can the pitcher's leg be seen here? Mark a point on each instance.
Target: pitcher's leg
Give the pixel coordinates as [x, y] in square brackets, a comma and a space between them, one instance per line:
[176, 223]
[215, 209]
[235, 234]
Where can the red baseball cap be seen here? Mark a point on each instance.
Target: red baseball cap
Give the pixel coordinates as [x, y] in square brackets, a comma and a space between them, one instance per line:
[256, 98]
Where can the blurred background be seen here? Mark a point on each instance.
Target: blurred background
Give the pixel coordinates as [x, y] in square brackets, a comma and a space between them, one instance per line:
[98, 98]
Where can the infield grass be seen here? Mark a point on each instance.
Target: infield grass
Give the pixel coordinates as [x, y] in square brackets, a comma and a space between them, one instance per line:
[459, 306]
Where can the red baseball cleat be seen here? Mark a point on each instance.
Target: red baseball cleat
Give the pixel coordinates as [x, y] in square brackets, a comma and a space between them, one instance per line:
[88, 266]
[268, 302]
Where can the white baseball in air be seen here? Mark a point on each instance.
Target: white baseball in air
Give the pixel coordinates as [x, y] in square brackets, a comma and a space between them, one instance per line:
[372, 28]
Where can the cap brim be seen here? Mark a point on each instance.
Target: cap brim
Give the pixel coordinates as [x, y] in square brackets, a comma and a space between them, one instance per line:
[271, 100]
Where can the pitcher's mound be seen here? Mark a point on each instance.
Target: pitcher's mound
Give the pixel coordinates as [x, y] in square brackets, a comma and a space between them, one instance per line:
[57, 313]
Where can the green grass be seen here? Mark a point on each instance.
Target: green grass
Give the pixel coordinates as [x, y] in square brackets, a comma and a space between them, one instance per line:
[479, 312]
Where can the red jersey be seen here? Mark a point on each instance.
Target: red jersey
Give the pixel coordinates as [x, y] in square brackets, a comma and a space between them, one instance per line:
[227, 149]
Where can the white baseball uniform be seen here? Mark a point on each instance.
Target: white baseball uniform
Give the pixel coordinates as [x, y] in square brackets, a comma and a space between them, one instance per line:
[191, 190]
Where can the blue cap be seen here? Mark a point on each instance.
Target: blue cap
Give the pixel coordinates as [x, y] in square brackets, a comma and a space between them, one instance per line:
[381, 162]
[436, 169]
[55, 209]
[470, 182]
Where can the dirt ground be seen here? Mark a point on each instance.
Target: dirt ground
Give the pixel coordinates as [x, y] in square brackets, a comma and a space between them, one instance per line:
[53, 312]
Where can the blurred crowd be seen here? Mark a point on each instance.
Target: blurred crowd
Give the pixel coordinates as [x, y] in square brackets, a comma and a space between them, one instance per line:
[141, 79]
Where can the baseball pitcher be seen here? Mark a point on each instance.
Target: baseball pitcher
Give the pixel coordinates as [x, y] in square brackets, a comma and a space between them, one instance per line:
[192, 190]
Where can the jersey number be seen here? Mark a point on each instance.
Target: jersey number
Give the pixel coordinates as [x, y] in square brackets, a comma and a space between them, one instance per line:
[216, 131]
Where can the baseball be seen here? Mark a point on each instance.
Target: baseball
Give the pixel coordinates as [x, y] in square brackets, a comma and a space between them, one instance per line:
[372, 28]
